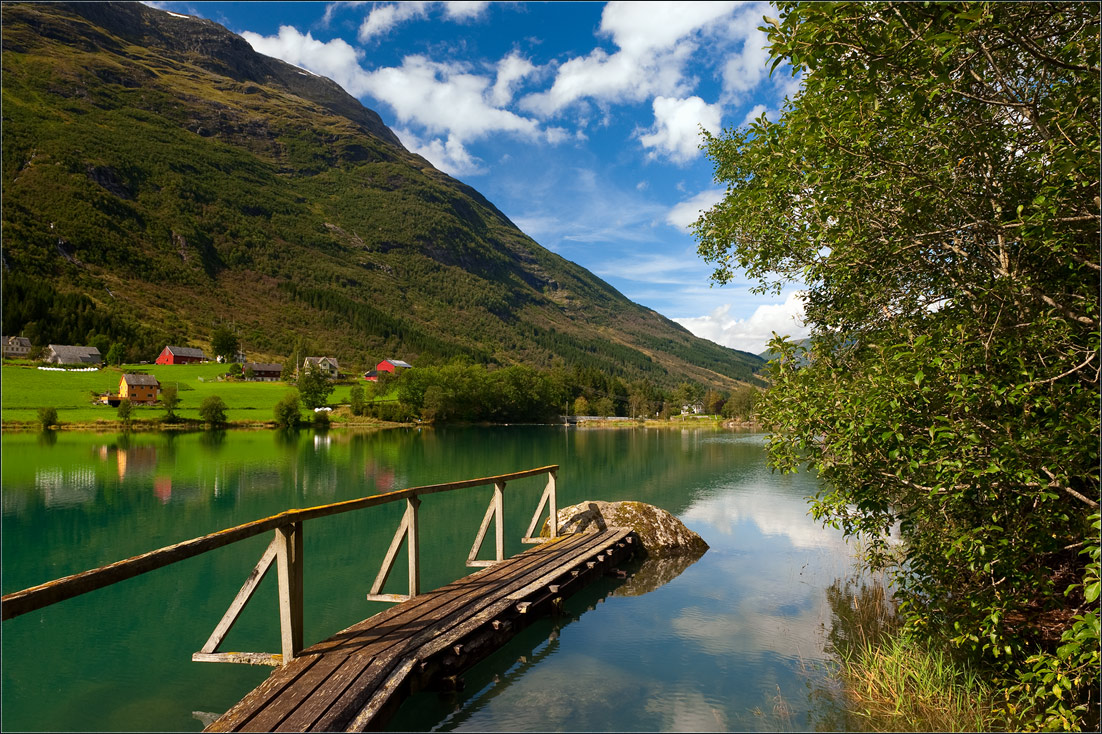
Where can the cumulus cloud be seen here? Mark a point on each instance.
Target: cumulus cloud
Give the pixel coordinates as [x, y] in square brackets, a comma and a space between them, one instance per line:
[753, 114]
[335, 59]
[450, 103]
[747, 68]
[677, 123]
[751, 334]
[384, 17]
[654, 41]
[510, 70]
[687, 212]
[464, 9]
[448, 154]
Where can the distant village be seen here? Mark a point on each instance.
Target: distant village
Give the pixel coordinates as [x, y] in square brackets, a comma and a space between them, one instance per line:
[145, 389]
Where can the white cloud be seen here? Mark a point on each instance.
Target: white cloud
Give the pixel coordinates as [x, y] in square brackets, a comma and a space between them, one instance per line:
[654, 41]
[746, 69]
[384, 17]
[510, 70]
[464, 9]
[444, 98]
[677, 123]
[449, 155]
[753, 115]
[335, 59]
[687, 212]
[640, 28]
[331, 9]
[450, 102]
[752, 334]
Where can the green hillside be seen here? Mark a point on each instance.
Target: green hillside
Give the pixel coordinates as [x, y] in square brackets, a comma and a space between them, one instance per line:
[159, 177]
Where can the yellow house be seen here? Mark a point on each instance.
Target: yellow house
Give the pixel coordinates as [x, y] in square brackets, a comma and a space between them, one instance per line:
[139, 388]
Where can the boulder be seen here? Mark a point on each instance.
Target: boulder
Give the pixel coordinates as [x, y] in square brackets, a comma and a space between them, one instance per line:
[660, 533]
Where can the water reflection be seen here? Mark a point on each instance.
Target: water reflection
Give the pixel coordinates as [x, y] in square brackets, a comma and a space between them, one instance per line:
[709, 643]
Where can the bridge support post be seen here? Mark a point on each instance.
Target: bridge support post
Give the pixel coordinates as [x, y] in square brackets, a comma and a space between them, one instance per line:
[289, 571]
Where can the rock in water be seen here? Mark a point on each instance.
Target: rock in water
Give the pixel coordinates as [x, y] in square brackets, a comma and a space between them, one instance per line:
[661, 533]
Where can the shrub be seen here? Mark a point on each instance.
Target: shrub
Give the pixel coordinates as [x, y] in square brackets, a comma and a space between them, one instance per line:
[125, 409]
[213, 410]
[287, 410]
[47, 417]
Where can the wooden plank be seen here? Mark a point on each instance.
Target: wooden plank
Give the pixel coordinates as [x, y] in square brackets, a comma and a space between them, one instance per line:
[480, 538]
[359, 692]
[449, 601]
[325, 658]
[51, 592]
[375, 659]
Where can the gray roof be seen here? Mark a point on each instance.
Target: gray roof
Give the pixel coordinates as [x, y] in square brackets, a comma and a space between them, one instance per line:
[75, 355]
[398, 363]
[318, 360]
[16, 341]
[141, 380]
[187, 352]
[262, 367]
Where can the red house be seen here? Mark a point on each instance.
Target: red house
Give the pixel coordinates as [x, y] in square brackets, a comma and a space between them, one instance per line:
[181, 355]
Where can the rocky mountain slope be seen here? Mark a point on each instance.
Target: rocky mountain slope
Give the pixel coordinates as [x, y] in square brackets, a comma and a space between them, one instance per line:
[160, 177]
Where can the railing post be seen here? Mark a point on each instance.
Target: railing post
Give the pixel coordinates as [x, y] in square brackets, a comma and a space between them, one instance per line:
[553, 520]
[289, 570]
[413, 545]
[499, 519]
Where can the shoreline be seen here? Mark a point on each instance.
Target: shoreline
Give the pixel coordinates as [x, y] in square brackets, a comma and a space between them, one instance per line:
[104, 426]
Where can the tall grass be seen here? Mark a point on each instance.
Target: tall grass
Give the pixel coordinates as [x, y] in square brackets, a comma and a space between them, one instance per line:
[894, 682]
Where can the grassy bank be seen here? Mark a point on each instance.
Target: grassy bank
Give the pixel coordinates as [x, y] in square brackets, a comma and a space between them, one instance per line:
[892, 681]
[26, 389]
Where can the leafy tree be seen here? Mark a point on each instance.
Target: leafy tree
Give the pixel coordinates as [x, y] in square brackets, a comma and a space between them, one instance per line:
[234, 370]
[288, 410]
[124, 412]
[224, 343]
[248, 373]
[47, 417]
[213, 410]
[713, 402]
[604, 407]
[116, 354]
[740, 403]
[581, 406]
[314, 387]
[934, 185]
[356, 399]
[170, 401]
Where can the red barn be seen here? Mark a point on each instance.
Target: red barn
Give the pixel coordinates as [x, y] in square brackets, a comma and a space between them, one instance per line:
[181, 355]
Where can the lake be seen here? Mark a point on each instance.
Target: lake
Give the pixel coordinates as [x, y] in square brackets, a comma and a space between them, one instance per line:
[733, 641]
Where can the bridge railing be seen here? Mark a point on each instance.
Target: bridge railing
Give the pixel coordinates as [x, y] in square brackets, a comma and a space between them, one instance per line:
[285, 551]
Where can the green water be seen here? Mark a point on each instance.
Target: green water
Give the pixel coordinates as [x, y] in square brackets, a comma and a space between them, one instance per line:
[733, 642]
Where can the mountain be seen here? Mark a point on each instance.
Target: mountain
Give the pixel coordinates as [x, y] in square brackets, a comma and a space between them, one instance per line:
[160, 177]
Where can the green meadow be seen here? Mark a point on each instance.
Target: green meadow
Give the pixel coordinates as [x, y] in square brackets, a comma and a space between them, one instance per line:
[26, 389]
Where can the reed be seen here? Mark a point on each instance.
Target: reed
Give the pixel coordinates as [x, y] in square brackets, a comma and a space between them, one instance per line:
[893, 682]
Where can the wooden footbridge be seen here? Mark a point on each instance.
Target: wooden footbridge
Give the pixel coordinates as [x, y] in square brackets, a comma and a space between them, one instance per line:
[356, 679]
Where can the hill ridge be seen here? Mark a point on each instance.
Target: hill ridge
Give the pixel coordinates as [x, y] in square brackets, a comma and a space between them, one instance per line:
[154, 187]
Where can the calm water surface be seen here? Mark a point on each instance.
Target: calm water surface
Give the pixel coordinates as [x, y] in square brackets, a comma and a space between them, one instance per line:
[733, 641]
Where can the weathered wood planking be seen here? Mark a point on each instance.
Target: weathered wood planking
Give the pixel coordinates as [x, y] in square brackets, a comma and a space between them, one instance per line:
[355, 679]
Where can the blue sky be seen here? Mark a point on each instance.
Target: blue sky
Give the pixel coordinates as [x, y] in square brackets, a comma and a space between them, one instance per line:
[580, 121]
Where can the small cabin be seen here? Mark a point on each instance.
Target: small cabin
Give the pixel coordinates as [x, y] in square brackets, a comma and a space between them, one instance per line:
[139, 389]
